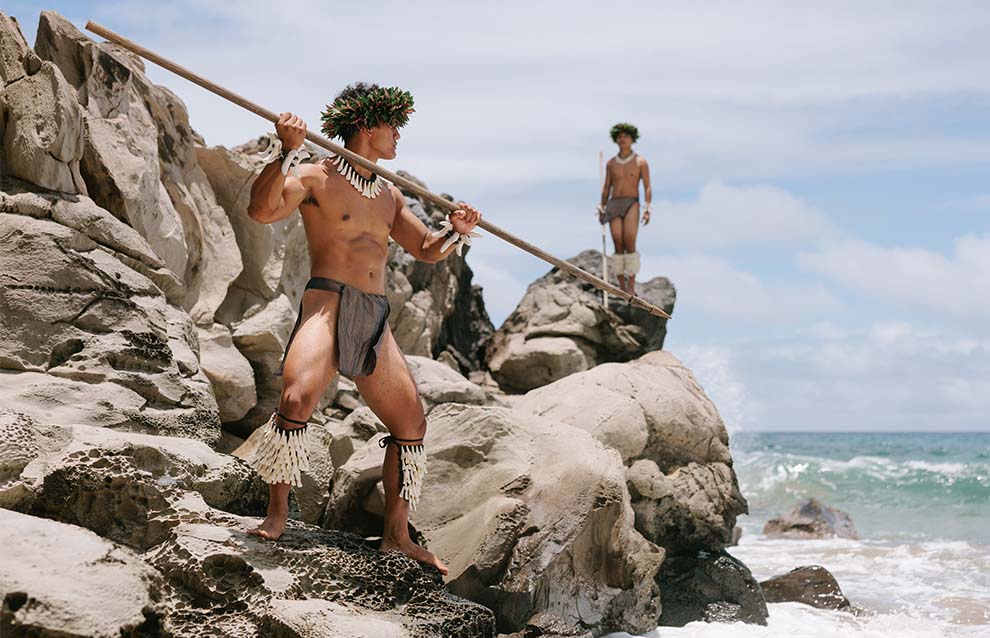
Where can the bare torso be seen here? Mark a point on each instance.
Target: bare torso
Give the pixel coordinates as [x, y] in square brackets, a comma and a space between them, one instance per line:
[347, 233]
[625, 177]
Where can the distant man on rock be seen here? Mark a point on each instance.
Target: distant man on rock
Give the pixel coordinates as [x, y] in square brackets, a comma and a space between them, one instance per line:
[349, 213]
[619, 207]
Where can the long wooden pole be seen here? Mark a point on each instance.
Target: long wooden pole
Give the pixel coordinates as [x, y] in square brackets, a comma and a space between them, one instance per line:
[322, 142]
[601, 179]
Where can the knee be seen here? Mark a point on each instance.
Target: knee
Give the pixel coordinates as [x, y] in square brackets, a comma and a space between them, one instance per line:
[420, 429]
[298, 401]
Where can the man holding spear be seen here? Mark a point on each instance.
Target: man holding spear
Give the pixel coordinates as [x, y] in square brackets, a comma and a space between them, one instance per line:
[619, 206]
[342, 323]
[349, 214]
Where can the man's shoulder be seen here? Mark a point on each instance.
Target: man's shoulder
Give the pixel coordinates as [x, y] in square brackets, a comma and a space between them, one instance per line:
[640, 159]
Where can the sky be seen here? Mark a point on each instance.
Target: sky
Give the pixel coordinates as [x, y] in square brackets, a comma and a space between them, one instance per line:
[821, 171]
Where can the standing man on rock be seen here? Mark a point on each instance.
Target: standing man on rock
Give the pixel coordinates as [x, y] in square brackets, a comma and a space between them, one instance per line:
[620, 204]
[349, 214]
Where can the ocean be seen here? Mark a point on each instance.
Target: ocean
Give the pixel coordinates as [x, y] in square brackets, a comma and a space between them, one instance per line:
[921, 505]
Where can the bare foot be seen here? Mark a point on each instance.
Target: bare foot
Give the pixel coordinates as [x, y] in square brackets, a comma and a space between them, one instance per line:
[271, 528]
[414, 551]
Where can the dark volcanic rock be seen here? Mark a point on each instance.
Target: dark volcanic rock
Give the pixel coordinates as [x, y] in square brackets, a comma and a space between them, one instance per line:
[712, 587]
[811, 519]
[812, 585]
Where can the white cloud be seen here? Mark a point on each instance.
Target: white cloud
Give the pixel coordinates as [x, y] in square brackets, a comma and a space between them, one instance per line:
[725, 215]
[710, 285]
[957, 285]
[892, 376]
[528, 90]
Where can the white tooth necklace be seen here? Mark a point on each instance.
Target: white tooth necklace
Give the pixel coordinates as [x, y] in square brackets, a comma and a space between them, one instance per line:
[368, 187]
[626, 159]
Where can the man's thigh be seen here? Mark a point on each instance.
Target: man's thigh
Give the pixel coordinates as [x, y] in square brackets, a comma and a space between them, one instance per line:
[312, 356]
[390, 391]
[630, 226]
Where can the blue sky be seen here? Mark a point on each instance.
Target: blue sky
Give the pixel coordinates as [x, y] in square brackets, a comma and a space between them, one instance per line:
[820, 170]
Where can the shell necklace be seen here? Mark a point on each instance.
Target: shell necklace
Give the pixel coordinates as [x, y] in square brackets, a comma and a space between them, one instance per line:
[625, 160]
[368, 187]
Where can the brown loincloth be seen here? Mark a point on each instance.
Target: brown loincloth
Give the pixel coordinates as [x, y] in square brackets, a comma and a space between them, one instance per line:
[618, 207]
[361, 321]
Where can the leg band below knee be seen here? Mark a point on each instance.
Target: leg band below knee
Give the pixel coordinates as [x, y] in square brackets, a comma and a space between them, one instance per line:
[632, 263]
[283, 454]
[412, 467]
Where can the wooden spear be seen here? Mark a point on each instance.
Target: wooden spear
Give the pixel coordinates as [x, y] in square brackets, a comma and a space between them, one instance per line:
[323, 142]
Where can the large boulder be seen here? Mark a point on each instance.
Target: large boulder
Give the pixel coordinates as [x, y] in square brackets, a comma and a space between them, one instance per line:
[709, 587]
[561, 327]
[811, 585]
[492, 508]
[811, 519]
[671, 437]
[61, 580]
[89, 337]
[132, 124]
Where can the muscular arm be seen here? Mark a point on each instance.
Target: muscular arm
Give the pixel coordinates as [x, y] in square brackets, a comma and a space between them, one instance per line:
[647, 190]
[274, 196]
[413, 235]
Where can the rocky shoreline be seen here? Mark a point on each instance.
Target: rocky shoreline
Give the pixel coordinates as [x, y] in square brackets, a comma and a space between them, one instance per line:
[580, 480]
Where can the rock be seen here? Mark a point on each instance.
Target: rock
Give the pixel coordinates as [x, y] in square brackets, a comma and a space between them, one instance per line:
[560, 327]
[709, 587]
[229, 372]
[60, 580]
[493, 511]
[93, 340]
[13, 51]
[654, 413]
[438, 384]
[811, 519]
[223, 581]
[275, 256]
[43, 131]
[123, 109]
[314, 617]
[33, 450]
[812, 585]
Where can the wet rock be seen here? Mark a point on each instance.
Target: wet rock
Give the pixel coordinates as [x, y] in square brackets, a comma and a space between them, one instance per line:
[811, 519]
[812, 585]
[713, 587]
[561, 327]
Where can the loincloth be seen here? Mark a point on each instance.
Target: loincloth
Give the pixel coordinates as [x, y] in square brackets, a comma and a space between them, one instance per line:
[618, 207]
[361, 322]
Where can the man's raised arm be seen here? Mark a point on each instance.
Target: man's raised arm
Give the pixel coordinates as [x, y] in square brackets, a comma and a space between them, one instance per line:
[273, 195]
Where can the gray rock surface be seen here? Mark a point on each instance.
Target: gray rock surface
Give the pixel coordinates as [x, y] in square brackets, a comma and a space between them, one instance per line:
[151, 494]
[61, 580]
[91, 338]
[122, 108]
[811, 519]
[654, 413]
[492, 507]
[561, 327]
[710, 587]
[812, 585]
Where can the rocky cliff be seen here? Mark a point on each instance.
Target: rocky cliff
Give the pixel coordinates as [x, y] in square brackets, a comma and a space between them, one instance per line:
[141, 316]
